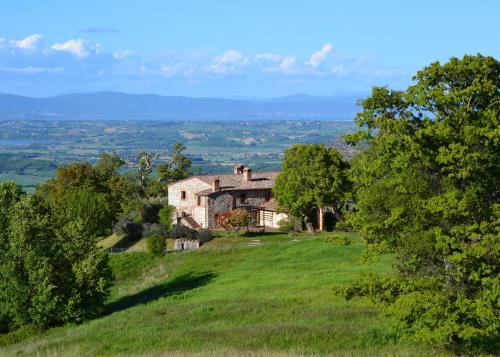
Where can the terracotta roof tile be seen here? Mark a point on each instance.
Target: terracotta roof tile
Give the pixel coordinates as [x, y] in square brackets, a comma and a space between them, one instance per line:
[231, 182]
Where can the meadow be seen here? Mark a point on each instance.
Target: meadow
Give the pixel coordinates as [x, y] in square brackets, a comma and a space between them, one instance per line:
[233, 298]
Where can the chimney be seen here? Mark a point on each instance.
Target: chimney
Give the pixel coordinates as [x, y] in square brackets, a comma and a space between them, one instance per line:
[238, 169]
[216, 184]
[247, 174]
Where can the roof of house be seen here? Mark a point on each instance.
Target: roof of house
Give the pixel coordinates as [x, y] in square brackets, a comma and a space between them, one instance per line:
[232, 182]
[270, 205]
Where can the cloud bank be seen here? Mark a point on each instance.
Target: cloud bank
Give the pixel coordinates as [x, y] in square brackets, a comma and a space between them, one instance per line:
[80, 64]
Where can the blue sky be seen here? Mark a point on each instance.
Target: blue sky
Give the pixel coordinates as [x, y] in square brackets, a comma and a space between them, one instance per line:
[234, 48]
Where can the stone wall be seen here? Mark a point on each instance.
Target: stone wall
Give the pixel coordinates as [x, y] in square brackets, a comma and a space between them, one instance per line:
[225, 201]
[278, 217]
[189, 205]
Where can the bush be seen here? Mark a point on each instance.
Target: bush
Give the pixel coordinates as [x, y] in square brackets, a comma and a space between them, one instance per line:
[129, 227]
[181, 231]
[343, 226]
[153, 229]
[336, 239]
[285, 226]
[233, 220]
[205, 236]
[156, 245]
[166, 216]
[149, 212]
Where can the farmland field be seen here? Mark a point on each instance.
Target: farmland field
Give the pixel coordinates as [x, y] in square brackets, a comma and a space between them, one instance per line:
[30, 151]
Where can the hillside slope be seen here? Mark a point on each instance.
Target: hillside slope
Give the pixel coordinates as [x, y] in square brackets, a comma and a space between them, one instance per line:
[232, 299]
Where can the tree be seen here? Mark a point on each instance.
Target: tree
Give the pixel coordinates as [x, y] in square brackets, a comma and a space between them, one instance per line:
[10, 194]
[143, 167]
[68, 178]
[166, 216]
[103, 179]
[91, 208]
[312, 177]
[176, 168]
[49, 274]
[108, 165]
[427, 188]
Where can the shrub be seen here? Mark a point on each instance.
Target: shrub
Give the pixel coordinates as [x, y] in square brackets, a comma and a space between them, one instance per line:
[149, 212]
[336, 239]
[233, 220]
[343, 226]
[166, 216]
[156, 245]
[181, 231]
[129, 227]
[205, 236]
[285, 226]
[153, 229]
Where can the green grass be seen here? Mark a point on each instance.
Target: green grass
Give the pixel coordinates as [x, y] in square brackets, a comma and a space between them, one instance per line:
[111, 241]
[231, 299]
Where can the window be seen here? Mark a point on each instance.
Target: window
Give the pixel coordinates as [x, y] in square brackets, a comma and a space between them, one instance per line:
[243, 198]
[198, 200]
[268, 196]
[183, 195]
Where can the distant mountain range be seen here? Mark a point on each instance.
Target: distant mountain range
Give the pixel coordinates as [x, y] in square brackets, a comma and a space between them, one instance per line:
[121, 106]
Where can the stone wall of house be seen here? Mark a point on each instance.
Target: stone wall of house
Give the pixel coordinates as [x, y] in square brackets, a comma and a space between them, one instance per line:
[200, 214]
[225, 201]
[278, 217]
[189, 205]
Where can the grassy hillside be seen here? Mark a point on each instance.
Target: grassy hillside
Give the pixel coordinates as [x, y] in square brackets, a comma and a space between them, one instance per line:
[230, 298]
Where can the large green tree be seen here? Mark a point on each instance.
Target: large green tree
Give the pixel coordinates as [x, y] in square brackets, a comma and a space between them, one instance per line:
[91, 207]
[49, 274]
[312, 176]
[428, 188]
[10, 194]
[100, 190]
[176, 167]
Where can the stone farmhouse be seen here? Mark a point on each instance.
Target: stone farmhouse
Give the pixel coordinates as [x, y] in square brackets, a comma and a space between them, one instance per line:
[198, 199]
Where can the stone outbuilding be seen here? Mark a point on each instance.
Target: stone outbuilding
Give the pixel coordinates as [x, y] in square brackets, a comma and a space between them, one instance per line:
[198, 199]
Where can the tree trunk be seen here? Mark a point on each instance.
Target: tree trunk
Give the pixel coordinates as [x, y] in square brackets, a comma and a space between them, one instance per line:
[320, 219]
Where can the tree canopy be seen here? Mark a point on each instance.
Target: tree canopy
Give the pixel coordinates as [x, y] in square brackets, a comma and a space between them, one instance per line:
[176, 168]
[427, 184]
[50, 274]
[312, 176]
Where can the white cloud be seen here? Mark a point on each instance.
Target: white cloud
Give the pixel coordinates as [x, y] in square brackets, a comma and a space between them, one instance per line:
[123, 54]
[33, 70]
[78, 47]
[319, 57]
[28, 43]
[288, 64]
[169, 70]
[352, 66]
[268, 57]
[230, 61]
